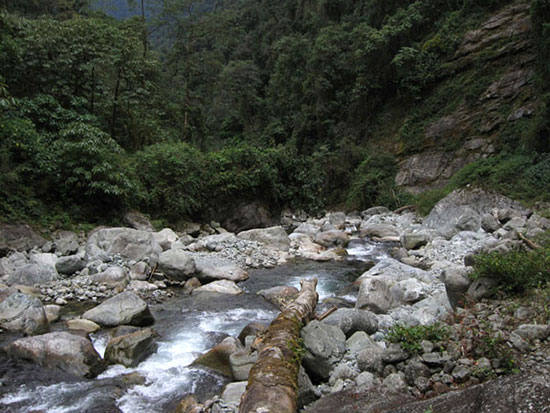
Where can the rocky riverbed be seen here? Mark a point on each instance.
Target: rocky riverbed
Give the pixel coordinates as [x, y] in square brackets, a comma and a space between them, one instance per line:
[112, 282]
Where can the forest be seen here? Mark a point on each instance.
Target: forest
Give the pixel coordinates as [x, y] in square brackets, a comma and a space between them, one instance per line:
[193, 105]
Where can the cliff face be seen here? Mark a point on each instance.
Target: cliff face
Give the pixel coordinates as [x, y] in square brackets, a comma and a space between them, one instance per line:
[493, 102]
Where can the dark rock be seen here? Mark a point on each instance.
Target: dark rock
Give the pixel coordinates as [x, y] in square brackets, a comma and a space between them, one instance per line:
[71, 353]
[218, 357]
[244, 216]
[17, 237]
[251, 329]
[131, 349]
[70, 264]
[482, 288]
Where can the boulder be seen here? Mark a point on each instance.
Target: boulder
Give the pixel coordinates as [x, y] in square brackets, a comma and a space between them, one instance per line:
[53, 312]
[131, 349]
[325, 346]
[18, 237]
[374, 295]
[45, 259]
[140, 271]
[70, 264]
[32, 274]
[241, 362]
[6, 291]
[251, 329]
[332, 238]
[456, 282]
[218, 357]
[124, 308]
[279, 295]
[533, 331]
[83, 325]
[489, 223]
[138, 221]
[65, 243]
[130, 244]
[273, 237]
[368, 355]
[177, 264]
[166, 238]
[70, 353]
[244, 216]
[378, 230]
[351, 320]
[208, 272]
[137, 285]
[412, 241]
[307, 229]
[22, 313]
[463, 209]
[338, 219]
[233, 391]
[112, 276]
[221, 287]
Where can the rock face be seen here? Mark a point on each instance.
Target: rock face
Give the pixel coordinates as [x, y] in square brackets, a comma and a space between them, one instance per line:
[463, 210]
[126, 242]
[20, 312]
[124, 308]
[177, 264]
[60, 350]
[325, 346]
[274, 237]
[131, 349]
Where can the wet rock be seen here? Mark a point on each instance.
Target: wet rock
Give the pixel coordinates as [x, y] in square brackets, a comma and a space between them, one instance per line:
[274, 237]
[70, 264]
[124, 308]
[138, 221]
[351, 320]
[325, 346]
[131, 349]
[129, 243]
[32, 274]
[22, 313]
[218, 357]
[73, 354]
[177, 264]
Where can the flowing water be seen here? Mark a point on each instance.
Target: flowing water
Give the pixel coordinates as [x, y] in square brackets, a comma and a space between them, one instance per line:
[187, 325]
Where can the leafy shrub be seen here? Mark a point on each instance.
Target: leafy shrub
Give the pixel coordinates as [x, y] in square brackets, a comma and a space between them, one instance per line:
[88, 166]
[171, 179]
[411, 337]
[515, 271]
[374, 183]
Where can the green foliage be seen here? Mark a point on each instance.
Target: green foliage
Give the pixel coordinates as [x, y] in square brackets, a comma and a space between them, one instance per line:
[515, 271]
[410, 338]
[374, 184]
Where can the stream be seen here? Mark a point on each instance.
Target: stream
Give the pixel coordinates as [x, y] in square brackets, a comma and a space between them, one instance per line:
[187, 325]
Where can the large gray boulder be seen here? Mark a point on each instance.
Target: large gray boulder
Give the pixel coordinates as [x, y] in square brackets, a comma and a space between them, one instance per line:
[22, 313]
[131, 349]
[16, 237]
[378, 230]
[70, 264]
[177, 264]
[332, 238]
[325, 346]
[208, 272]
[464, 209]
[65, 242]
[457, 282]
[32, 274]
[274, 237]
[220, 287]
[70, 353]
[375, 295]
[129, 243]
[351, 320]
[124, 308]
[165, 238]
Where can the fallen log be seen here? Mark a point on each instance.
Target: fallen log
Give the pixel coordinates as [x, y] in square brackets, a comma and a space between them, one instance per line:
[273, 380]
[531, 244]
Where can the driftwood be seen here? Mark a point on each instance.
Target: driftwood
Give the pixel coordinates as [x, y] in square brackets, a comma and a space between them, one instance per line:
[530, 244]
[404, 208]
[321, 317]
[273, 380]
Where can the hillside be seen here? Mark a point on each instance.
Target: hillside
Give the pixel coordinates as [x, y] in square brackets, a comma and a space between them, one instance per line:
[305, 105]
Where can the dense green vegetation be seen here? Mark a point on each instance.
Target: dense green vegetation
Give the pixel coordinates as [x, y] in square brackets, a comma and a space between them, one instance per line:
[209, 103]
